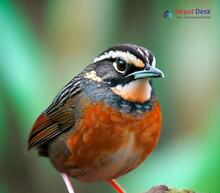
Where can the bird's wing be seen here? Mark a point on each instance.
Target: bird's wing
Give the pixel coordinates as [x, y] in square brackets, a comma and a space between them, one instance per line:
[58, 118]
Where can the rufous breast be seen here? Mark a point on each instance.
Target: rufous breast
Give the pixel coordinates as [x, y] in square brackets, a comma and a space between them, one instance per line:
[107, 143]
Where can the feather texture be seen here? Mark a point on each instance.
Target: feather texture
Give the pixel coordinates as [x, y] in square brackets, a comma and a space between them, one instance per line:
[49, 126]
[57, 118]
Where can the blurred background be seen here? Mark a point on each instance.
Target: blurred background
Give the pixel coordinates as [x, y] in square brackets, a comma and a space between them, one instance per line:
[45, 43]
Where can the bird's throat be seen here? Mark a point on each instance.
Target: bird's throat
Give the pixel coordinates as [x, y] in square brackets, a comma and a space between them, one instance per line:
[135, 91]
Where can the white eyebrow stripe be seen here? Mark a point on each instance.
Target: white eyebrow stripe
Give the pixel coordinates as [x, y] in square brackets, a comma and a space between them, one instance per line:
[153, 62]
[140, 51]
[146, 51]
[127, 56]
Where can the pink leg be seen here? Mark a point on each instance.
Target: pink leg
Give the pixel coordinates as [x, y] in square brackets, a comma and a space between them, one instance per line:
[67, 181]
[116, 186]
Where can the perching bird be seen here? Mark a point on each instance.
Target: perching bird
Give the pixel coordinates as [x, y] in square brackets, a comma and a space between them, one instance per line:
[105, 121]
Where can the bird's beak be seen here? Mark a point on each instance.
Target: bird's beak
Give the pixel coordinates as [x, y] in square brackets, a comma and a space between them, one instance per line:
[148, 72]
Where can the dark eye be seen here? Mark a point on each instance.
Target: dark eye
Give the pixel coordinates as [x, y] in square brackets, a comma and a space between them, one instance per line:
[120, 65]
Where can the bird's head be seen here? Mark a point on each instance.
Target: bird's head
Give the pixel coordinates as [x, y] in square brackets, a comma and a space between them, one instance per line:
[126, 69]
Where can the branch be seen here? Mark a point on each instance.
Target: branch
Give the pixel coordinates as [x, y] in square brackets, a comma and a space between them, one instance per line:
[165, 189]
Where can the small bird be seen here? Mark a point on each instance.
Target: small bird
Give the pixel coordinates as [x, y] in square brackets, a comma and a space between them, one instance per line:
[105, 121]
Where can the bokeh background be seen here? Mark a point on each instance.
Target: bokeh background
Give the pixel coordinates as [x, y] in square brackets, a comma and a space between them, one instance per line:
[45, 43]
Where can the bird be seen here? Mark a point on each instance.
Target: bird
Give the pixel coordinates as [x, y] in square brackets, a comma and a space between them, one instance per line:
[106, 121]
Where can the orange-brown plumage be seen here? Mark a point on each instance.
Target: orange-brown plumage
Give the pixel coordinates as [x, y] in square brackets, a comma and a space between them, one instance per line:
[103, 132]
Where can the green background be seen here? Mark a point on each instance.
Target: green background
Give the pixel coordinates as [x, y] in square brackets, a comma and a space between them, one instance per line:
[44, 44]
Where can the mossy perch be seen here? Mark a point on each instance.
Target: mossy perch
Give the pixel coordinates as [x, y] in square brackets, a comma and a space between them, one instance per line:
[165, 189]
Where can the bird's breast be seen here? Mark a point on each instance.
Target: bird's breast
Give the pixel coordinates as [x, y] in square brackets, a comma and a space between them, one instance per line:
[107, 143]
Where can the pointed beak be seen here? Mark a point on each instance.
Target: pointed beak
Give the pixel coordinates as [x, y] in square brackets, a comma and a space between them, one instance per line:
[148, 72]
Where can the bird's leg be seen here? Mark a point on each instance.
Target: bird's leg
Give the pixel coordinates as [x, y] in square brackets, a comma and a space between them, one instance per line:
[67, 181]
[116, 186]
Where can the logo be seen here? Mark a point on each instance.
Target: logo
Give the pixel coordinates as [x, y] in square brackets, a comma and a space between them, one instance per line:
[167, 14]
[188, 13]
[193, 12]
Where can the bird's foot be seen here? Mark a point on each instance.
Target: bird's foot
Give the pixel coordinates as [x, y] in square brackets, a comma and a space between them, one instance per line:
[67, 181]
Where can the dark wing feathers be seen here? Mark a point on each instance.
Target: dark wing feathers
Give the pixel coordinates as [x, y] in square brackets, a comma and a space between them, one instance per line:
[58, 118]
[49, 126]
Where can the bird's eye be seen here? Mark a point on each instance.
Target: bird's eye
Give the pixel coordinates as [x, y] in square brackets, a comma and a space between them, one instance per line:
[120, 65]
